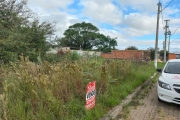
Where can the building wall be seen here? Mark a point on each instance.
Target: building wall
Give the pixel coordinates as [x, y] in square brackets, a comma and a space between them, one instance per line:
[107, 55]
[65, 50]
[52, 50]
[128, 54]
[171, 56]
[81, 52]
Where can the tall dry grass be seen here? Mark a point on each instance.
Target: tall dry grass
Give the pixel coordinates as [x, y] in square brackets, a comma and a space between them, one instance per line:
[56, 91]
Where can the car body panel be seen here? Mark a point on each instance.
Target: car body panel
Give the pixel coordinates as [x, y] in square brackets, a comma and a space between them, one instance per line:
[173, 80]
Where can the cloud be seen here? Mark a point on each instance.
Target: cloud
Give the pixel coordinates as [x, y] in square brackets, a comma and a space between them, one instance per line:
[129, 21]
[140, 5]
[171, 11]
[139, 24]
[124, 42]
[50, 5]
[149, 6]
[175, 45]
[63, 20]
[102, 10]
[54, 11]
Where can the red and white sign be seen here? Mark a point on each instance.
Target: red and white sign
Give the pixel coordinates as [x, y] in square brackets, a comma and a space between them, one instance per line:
[90, 95]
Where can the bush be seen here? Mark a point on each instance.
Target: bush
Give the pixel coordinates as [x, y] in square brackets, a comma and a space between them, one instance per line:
[72, 56]
[53, 58]
[7, 56]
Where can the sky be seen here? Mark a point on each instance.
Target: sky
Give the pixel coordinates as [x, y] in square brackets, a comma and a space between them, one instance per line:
[133, 22]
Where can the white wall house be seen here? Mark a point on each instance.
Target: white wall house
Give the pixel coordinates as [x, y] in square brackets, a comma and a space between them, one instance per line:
[80, 52]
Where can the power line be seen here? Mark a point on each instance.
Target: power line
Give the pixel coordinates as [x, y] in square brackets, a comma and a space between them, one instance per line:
[167, 5]
[175, 31]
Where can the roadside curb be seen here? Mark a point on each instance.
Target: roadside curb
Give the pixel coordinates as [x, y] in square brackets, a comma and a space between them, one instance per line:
[115, 111]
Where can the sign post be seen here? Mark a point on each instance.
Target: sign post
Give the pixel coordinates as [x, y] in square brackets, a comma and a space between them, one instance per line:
[90, 95]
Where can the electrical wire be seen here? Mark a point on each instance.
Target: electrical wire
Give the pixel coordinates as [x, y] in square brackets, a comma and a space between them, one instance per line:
[167, 5]
[175, 31]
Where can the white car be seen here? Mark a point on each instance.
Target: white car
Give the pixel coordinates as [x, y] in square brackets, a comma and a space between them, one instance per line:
[168, 85]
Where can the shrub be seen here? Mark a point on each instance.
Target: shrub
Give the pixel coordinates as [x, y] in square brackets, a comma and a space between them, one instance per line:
[72, 56]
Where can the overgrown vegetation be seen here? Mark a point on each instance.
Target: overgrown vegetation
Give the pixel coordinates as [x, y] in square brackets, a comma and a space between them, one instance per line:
[34, 89]
[21, 32]
[56, 91]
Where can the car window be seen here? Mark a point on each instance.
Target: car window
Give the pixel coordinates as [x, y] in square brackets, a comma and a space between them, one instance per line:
[173, 68]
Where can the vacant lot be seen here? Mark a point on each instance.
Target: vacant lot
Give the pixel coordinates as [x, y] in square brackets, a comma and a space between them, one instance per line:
[47, 91]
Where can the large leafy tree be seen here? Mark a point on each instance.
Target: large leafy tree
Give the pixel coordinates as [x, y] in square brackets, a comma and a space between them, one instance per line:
[105, 43]
[81, 35]
[132, 48]
[19, 34]
[12, 16]
[36, 39]
[86, 36]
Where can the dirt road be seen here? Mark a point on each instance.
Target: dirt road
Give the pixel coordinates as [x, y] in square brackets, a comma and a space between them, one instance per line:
[147, 107]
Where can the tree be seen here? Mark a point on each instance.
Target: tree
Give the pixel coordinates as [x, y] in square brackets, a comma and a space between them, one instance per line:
[86, 36]
[152, 52]
[12, 17]
[81, 35]
[20, 35]
[36, 38]
[105, 43]
[162, 54]
[132, 48]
